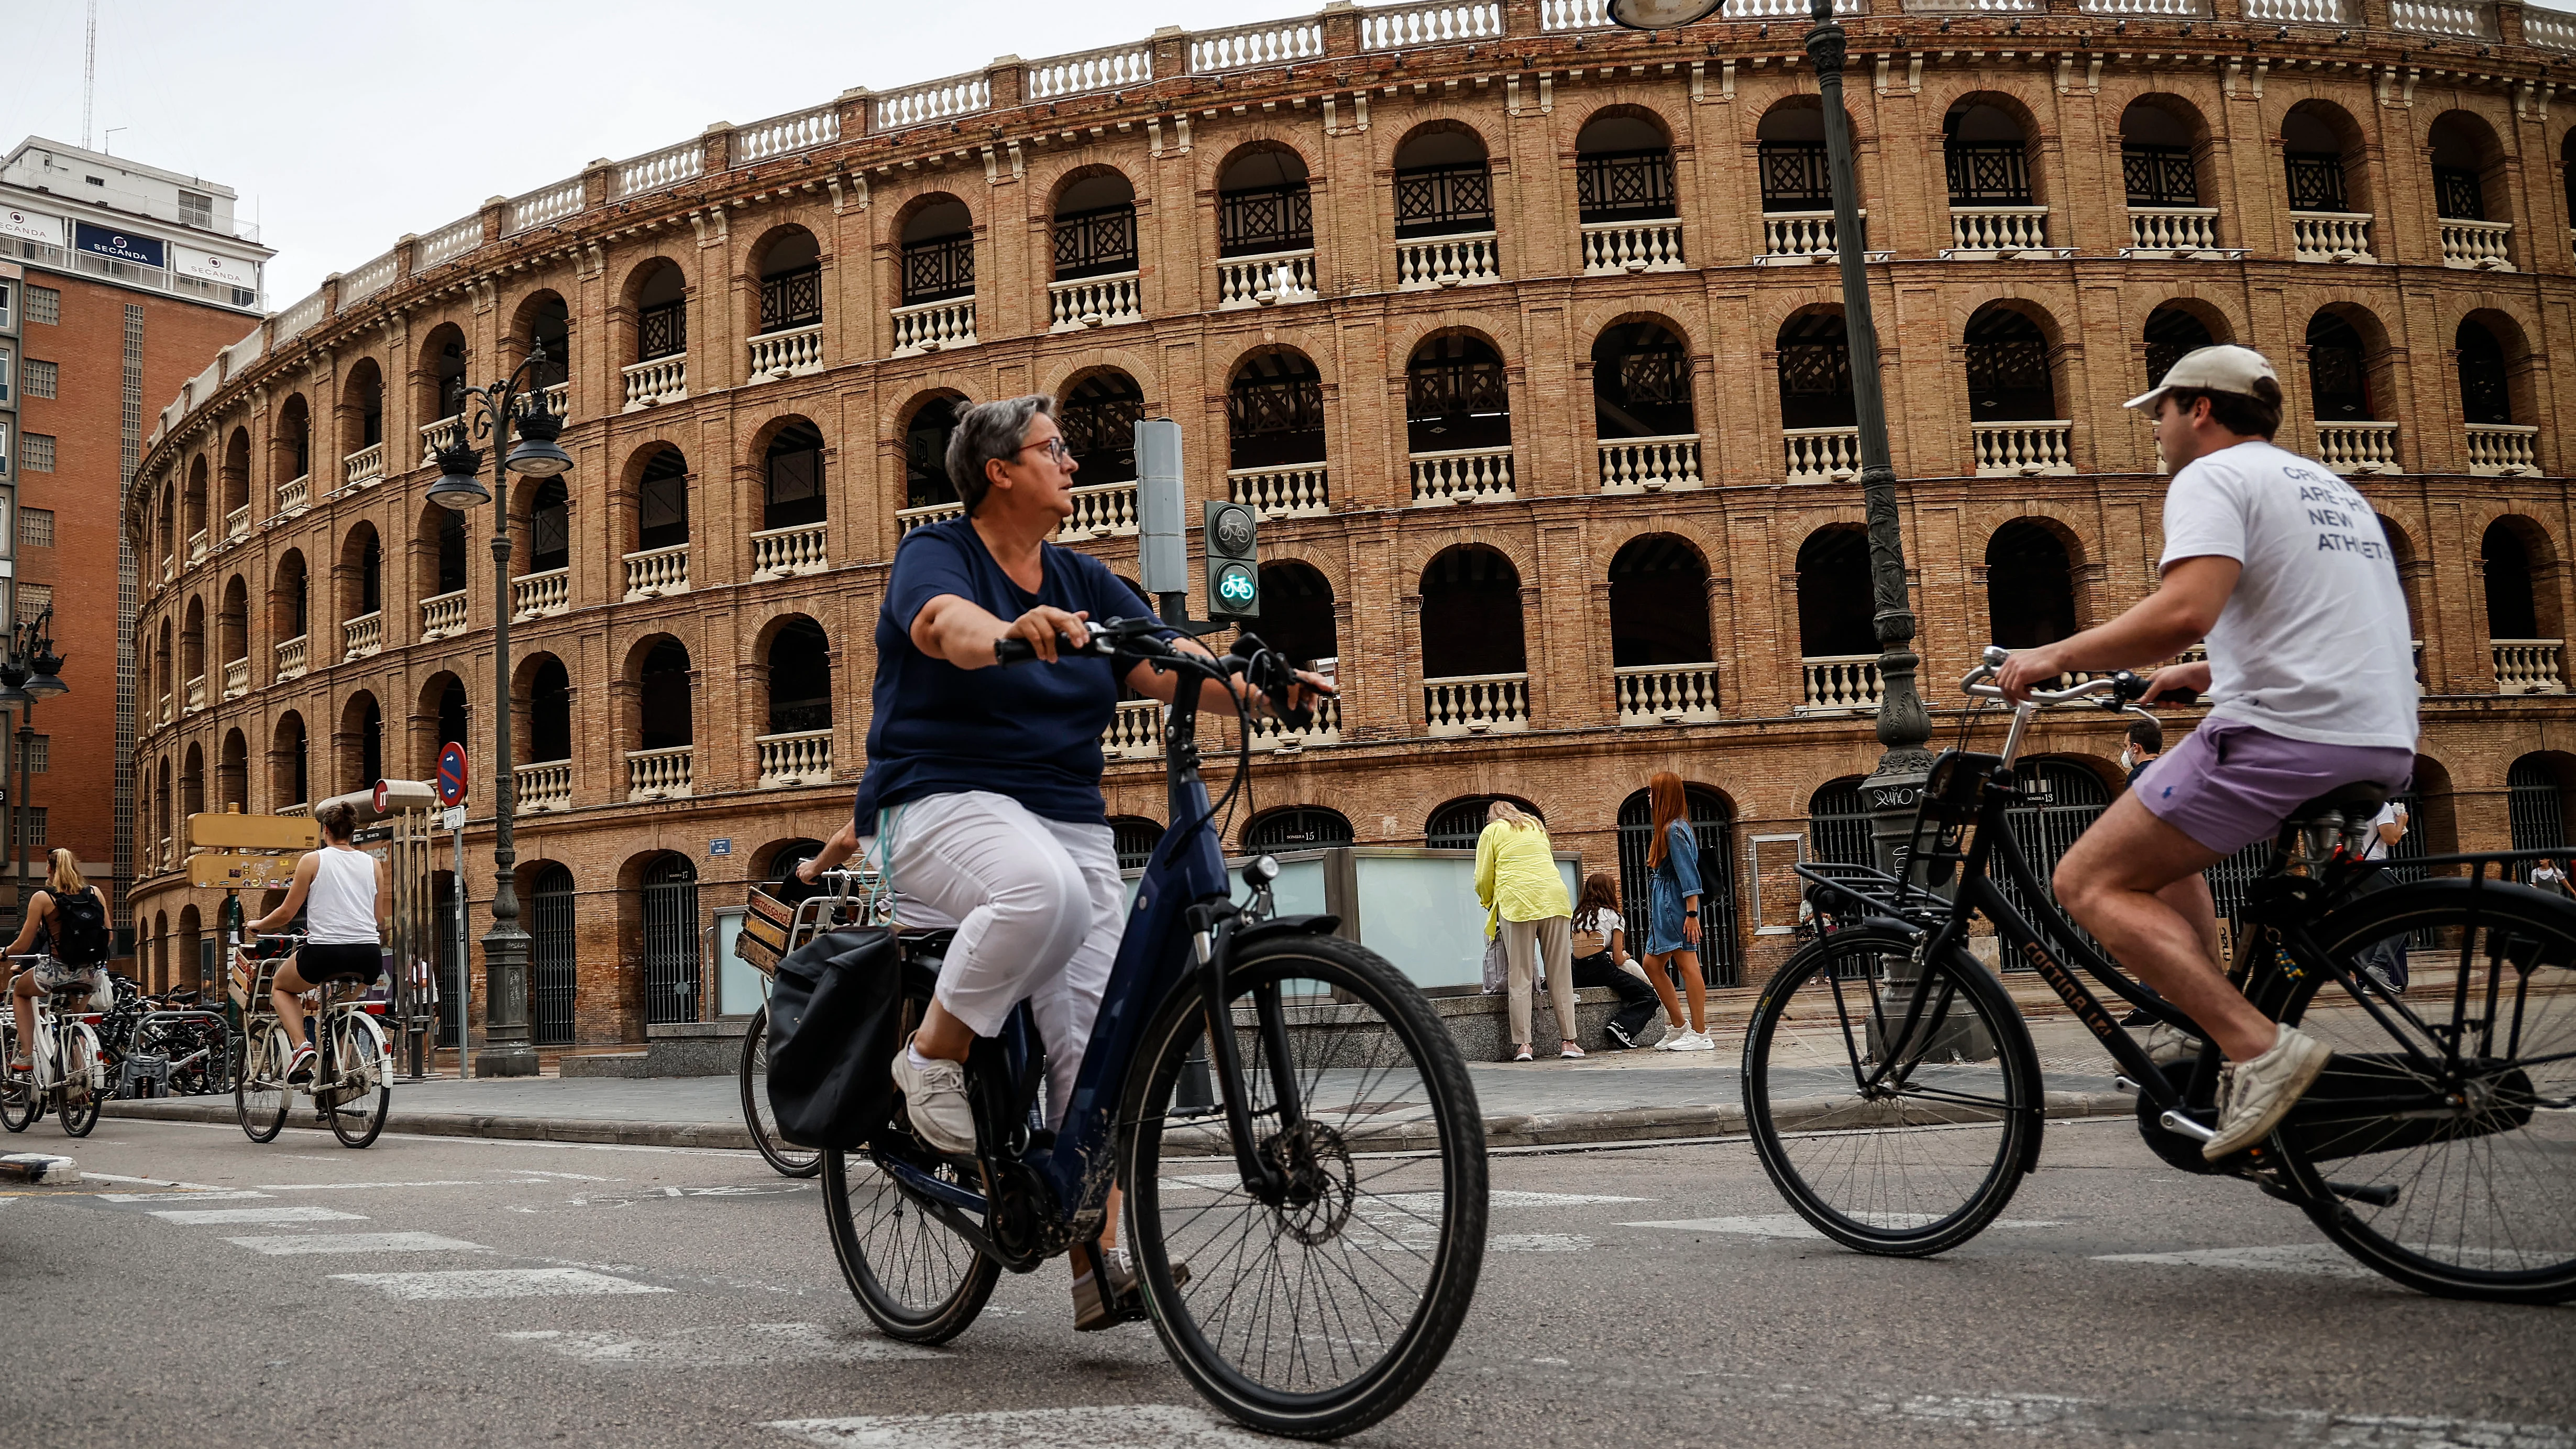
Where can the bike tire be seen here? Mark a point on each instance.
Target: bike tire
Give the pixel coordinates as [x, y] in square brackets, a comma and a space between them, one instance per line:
[2480, 1211]
[916, 1279]
[260, 1094]
[785, 1157]
[1902, 1173]
[1370, 1136]
[19, 1104]
[357, 1121]
[80, 1114]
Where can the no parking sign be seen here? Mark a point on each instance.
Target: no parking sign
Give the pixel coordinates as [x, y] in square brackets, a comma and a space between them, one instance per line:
[451, 774]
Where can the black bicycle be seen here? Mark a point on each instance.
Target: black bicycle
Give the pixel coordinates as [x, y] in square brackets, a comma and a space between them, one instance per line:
[1894, 1095]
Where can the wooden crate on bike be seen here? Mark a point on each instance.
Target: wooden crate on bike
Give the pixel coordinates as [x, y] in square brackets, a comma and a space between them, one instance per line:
[765, 928]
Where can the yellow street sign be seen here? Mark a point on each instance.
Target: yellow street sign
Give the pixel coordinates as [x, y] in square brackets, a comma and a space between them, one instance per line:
[229, 831]
[242, 872]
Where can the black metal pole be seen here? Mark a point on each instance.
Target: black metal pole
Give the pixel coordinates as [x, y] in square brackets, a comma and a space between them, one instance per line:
[507, 1048]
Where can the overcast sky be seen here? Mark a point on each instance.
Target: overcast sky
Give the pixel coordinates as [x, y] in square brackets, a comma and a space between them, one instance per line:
[344, 125]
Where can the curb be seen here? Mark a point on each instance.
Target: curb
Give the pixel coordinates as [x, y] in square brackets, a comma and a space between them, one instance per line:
[1517, 1129]
[41, 1168]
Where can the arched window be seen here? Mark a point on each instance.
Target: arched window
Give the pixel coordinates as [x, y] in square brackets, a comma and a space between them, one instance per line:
[925, 454]
[1456, 396]
[2512, 604]
[295, 439]
[1658, 603]
[1712, 822]
[1795, 177]
[549, 711]
[553, 986]
[1263, 205]
[1815, 371]
[232, 634]
[1623, 171]
[1134, 837]
[362, 755]
[1099, 422]
[192, 783]
[2030, 586]
[1442, 186]
[1641, 384]
[1987, 156]
[662, 698]
[670, 919]
[549, 527]
[2008, 369]
[2155, 157]
[2458, 193]
[1471, 614]
[792, 478]
[288, 599]
[662, 314]
[2485, 392]
[1838, 824]
[939, 252]
[1456, 825]
[2338, 371]
[1297, 611]
[1095, 228]
[800, 678]
[1274, 412]
[548, 324]
[232, 772]
[1298, 827]
[453, 713]
[451, 551]
[362, 406]
[233, 491]
[289, 780]
[662, 501]
[1835, 604]
[2312, 159]
[447, 382]
[791, 282]
[2171, 333]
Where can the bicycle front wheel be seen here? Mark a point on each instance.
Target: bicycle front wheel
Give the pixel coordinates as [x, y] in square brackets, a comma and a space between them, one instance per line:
[260, 1094]
[789, 1159]
[2439, 1145]
[1890, 1139]
[82, 1083]
[18, 1095]
[1320, 1314]
[365, 1094]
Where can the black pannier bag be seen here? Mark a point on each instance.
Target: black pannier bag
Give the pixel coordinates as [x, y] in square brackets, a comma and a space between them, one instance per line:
[835, 1022]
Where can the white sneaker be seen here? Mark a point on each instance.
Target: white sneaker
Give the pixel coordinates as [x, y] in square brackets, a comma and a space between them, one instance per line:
[1671, 1040]
[934, 1097]
[1694, 1041]
[2254, 1096]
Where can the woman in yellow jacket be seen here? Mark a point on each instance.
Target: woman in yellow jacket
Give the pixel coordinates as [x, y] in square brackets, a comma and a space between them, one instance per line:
[1517, 881]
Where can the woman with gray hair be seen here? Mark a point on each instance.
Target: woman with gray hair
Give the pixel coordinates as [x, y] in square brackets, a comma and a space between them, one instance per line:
[981, 804]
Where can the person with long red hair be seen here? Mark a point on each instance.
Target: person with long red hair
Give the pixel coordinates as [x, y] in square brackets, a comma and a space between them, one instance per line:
[1672, 915]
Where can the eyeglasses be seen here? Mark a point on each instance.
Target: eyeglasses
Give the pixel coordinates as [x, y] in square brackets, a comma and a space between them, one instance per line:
[1055, 448]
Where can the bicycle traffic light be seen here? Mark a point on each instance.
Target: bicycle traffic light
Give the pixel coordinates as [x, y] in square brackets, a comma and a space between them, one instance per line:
[1233, 562]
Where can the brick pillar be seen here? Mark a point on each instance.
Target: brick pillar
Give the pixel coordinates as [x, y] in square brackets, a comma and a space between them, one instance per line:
[2509, 22]
[1171, 52]
[1008, 78]
[1520, 18]
[1341, 28]
[857, 107]
[718, 144]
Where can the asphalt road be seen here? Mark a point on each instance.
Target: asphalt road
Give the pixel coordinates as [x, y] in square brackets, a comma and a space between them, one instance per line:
[300, 1292]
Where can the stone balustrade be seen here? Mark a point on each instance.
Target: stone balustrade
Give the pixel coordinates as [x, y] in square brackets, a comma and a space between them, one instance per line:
[237, 524]
[442, 616]
[2529, 666]
[2001, 232]
[1475, 704]
[2355, 448]
[1289, 490]
[556, 399]
[2503, 450]
[295, 495]
[1100, 510]
[1650, 465]
[542, 788]
[2479, 246]
[1821, 455]
[1839, 683]
[653, 572]
[2330, 236]
[290, 658]
[236, 678]
[660, 774]
[448, 432]
[1135, 732]
[1266, 280]
[363, 635]
[197, 546]
[1463, 475]
[2023, 450]
[908, 519]
[933, 326]
[1665, 694]
[1270, 735]
[535, 596]
[1799, 236]
[656, 380]
[165, 715]
[2176, 231]
[363, 466]
[800, 758]
[779, 553]
[196, 693]
[1615, 248]
[297, 810]
[1094, 302]
[791, 353]
[1425, 263]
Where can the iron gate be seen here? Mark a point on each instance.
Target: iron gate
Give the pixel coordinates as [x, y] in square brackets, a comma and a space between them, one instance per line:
[451, 958]
[2534, 806]
[2075, 799]
[551, 975]
[671, 941]
[1721, 959]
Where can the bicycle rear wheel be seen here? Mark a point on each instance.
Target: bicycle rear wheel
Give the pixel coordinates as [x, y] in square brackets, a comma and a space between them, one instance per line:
[18, 1101]
[790, 1160]
[368, 1098]
[81, 1085]
[1923, 1159]
[260, 1095]
[1322, 1314]
[2451, 1173]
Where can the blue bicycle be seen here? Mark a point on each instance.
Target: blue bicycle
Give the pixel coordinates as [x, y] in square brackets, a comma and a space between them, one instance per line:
[1318, 1166]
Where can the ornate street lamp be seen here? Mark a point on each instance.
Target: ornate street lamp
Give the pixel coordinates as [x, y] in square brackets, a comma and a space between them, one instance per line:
[1891, 789]
[494, 412]
[29, 670]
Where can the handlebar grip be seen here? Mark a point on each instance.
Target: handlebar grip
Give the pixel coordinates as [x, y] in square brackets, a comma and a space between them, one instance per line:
[1013, 650]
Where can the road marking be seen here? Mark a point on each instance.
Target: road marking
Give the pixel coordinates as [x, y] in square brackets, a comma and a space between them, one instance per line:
[731, 1346]
[436, 1182]
[2323, 1260]
[1137, 1426]
[209, 1196]
[1233, 1183]
[495, 1283]
[1790, 1225]
[1537, 1243]
[152, 1181]
[300, 1243]
[217, 1217]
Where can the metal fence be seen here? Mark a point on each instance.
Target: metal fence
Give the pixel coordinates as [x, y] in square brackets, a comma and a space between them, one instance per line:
[552, 978]
[671, 987]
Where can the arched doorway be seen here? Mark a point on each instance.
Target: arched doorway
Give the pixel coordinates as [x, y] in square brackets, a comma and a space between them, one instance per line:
[2536, 802]
[2030, 586]
[670, 899]
[1456, 825]
[1712, 822]
[1297, 827]
[1838, 824]
[551, 975]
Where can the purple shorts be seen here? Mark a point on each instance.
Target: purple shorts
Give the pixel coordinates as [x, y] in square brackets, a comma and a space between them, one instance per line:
[2229, 784]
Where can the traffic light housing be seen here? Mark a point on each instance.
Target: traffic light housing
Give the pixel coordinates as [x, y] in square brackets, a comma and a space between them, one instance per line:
[1233, 561]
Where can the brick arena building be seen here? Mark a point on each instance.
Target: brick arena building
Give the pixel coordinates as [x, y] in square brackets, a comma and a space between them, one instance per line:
[1513, 326]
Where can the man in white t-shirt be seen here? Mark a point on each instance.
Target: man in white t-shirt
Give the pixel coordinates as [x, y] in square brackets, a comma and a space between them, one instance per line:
[2282, 567]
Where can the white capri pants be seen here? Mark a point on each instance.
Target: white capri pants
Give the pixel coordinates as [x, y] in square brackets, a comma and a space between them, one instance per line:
[1038, 905]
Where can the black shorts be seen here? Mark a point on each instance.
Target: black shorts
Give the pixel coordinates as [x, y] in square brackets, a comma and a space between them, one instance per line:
[361, 962]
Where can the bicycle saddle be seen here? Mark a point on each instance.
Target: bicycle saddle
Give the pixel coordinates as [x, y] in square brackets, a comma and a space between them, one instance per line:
[2359, 800]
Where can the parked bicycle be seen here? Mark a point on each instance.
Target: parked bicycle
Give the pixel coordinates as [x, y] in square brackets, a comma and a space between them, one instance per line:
[352, 1081]
[67, 1070]
[1323, 1181]
[1894, 1094]
[807, 913]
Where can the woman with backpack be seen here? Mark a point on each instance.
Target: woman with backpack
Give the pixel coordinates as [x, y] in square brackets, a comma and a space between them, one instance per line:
[67, 923]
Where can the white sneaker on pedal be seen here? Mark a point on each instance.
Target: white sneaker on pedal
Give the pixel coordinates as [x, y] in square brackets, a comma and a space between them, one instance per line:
[934, 1098]
[2254, 1096]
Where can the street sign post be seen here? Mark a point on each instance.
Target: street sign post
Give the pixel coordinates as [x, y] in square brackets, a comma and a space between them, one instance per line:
[452, 775]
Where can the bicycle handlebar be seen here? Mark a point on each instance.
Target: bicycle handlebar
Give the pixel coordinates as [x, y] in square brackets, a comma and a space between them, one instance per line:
[2124, 686]
[1264, 668]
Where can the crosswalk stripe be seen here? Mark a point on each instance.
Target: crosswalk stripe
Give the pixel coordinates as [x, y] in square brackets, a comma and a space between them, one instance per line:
[296, 1244]
[495, 1283]
[218, 1217]
[725, 1346]
[1136, 1426]
[230, 1194]
[1790, 1225]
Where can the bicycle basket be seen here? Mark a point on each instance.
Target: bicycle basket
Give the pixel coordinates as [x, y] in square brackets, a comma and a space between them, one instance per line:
[1953, 791]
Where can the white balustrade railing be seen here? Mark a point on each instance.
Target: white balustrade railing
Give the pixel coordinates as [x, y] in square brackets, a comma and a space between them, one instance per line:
[1444, 22]
[2529, 666]
[786, 354]
[1289, 490]
[2467, 19]
[801, 758]
[656, 169]
[653, 572]
[237, 524]
[2167, 9]
[556, 399]
[297, 810]
[660, 774]
[781, 135]
[1100, 510]
[534, 596]
[779, 553]
[1109, 68]
[2000, 231]
[541, 788]
[363, 466]
[2482, 246]
[1277, 42]
[236, 678]
[2330, 236]
[1476, 704]
[1265, 280]
[2548, 29]
[363, 635]
[1556, 15]
[197, 546]
[933, 326]
[541, 206]
[1612, 248]
[1665, 694]
[300, 317]
[1446, 261]
[290, 658]
[1135, 732]
[1325, 729]
[1094, 302]
[1464, 475]
[445, 244]
[938, 100]
[2023, 450]
[1839, 683]
[908, 519]
[2503, 450]
[1975, 7]
[368, 278]
[447, 432]
[2181, 230]
[1649, 465]
[442, 616]
[1821, 455]
[2350, 448]
[1787, 9]
[295, 495]
[196, 693]
[1806, 235]
[2299, 12]
[656, 380]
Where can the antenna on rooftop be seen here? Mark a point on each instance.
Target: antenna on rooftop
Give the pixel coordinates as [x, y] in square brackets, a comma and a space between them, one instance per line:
[89, 72]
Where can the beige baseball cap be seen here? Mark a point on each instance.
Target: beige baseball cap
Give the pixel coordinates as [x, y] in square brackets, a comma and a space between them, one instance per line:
[2226, 368]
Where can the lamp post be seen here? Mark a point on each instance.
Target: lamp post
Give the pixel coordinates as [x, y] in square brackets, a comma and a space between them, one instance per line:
[493, 412]
[29, 671]
[1891, 790]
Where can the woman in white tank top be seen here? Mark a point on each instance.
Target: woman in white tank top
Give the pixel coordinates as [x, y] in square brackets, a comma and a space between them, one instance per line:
[342, 892]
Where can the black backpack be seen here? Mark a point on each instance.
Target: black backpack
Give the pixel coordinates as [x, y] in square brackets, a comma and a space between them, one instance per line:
[80, 929]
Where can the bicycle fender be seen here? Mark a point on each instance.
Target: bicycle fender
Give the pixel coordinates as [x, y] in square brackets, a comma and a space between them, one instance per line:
[1285, 926]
